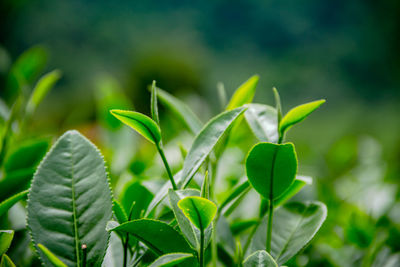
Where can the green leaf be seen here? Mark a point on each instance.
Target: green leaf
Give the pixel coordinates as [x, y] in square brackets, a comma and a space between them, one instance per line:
[9, 202]
[136, 193]
[244, 94]
[260, 258]
[297, 114]
[278, 105]
[205, 142]
[294, 225]
[293, 189]
[70, 201]
[238, 190]
[157, 235]
[172, 259]
[263, 122]
[43, 86]
[271, 168]
[15, 182]
[205, 187]
[6, 261]
[27, 154]
[51, 257]
[243, 225]
[187, 229]
[153, 103]
[6, 237]
[140, 123]
[181, 110]
[199, 211]
[119, 212]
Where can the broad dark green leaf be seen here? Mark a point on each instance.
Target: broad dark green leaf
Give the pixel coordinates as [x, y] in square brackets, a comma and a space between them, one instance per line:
[157, 235]
[205, 142]
[6, 237]
[293, 189]
[6, 261]
[263, 122]
[294, 225]
[244, 94]
[9, 202]
[119, 212]
[51, 257]
[172, 259]
[153, 103]
[134, 192]
[27, 154]
[70, 201]
[297, 114]
[271, 168]
[43, 86]
[181, 110]
[260, 258]
[200, 211]
[140, 123]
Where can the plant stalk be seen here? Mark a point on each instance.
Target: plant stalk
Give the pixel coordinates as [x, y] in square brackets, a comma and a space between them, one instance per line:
[84, 255]
[201, 252]
[164, 159]
[269, 226]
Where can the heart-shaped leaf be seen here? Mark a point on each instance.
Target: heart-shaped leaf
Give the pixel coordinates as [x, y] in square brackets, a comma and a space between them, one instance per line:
[205, 142]
[297, 114]
[172, 259]
[260, 258]
[295, 224]
[157, 235]
[244, 94]
[200, 211]
[51, 257]
[271, 168]
[181, 110]
[263, 122]
[70, 202]
[9, 202]
[6, 236]
[140, 123]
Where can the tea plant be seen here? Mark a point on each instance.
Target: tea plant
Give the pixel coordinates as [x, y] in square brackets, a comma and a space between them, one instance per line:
[75, 220]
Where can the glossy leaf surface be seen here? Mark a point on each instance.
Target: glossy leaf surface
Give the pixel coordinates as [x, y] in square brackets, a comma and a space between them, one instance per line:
[156, 235]
[244, 94]
[172, 259]
[297, 114]
[200, 211]
[263, 122]
[11, 201]
[70, 201]
[205, 142]
[6, 237]
[271, 168]
[293, 189]
[51, 257]
[260, 258]
[140, 123]
[181, 110]
[294, 225]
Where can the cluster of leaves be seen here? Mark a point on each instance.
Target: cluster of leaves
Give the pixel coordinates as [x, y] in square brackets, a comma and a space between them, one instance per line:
[74, 219]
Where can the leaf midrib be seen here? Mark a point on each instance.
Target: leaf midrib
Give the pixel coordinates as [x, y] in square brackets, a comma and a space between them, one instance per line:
[74, 212]
[292, 233]
[144, 125]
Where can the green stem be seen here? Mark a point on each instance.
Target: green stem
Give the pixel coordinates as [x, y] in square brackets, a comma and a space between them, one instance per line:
[201, 252]
[84, 255]
[269, 226]
[126, 243]
[164, 159]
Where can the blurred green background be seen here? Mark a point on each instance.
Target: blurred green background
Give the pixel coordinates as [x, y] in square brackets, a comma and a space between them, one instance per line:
[344, 51]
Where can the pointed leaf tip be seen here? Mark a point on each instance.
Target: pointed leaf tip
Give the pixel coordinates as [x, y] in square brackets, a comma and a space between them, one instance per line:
[139, 122]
